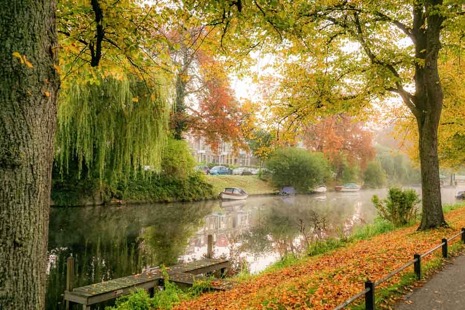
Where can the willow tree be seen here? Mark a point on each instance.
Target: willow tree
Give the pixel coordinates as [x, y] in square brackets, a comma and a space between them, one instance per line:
[345, 53]
[114, 126]
[116, 85]
[28, 93]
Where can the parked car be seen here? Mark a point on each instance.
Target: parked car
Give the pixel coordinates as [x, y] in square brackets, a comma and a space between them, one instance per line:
[203, 169]
[216, 170]
[460, 195]
[242, 171]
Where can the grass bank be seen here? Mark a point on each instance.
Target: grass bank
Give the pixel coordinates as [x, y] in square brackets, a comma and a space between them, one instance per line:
[252, 184]
[325, 280]
[81, 192]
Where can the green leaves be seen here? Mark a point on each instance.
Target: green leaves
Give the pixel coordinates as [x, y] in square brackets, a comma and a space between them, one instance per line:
[298, 168]
[399, 207]
[101, 127]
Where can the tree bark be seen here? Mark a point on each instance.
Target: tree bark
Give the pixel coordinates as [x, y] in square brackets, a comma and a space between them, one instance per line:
[28, 92]
[428, 101]
[432, 215]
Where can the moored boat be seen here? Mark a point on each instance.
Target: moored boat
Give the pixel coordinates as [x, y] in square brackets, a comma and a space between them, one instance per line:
[348, 187]
[319, 189]
[233, 193]
[287, 191]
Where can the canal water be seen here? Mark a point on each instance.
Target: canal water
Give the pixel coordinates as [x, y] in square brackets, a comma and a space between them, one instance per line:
[111, 242]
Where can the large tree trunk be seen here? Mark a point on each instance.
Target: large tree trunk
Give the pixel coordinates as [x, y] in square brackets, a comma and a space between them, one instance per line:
[427, 109]
[432, 215]
[28, 92]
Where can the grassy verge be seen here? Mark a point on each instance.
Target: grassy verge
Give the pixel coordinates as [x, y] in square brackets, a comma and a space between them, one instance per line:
[250, 183]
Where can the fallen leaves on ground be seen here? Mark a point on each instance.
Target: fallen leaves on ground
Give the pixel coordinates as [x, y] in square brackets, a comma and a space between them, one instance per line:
[325, 281]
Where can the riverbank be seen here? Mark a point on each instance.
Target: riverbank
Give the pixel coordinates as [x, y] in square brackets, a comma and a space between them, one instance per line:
[83, 192]
[326, 280]
[252, 184]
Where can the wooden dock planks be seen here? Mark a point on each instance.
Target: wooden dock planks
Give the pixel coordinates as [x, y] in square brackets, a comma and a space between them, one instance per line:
[183, 275]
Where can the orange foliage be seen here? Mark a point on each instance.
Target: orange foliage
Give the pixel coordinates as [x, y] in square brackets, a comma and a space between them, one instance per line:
[338, 137]
[219, 116]
[325, 281]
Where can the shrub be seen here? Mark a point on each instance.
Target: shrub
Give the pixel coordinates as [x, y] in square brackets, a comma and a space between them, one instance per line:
[177, 160]
[298, 168]
[399, 207]
[139, 300]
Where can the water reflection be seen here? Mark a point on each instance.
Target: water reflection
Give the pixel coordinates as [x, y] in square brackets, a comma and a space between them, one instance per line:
[114, 242]
[260, 230]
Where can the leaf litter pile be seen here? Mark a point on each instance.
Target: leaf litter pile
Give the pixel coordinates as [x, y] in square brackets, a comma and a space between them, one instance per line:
[325, 281]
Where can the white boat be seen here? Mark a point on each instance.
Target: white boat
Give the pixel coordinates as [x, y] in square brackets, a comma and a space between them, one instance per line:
[233, 193]
[319, 189]
[348, 187]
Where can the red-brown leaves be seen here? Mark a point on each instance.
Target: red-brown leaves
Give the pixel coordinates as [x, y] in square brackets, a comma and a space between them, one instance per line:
[325, 281]
[339, 138]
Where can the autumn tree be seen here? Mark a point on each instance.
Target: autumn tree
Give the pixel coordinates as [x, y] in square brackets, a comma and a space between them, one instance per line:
[346, 52]
[29, 86]
[219, 114]
[342, 140]
[261, 143]
[451, 129]
[204, 102]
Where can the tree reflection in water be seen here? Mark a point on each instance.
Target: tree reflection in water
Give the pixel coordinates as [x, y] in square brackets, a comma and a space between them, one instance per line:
[110, 242]
[291, 224]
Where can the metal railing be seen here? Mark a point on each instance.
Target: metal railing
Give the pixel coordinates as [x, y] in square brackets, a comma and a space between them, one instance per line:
[369, 291]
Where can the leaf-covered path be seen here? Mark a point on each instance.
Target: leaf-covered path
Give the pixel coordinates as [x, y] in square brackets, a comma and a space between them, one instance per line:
[324, 281]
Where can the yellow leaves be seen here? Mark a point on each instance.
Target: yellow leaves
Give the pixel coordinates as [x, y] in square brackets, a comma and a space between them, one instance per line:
[23, 59]
[17, 55]
[135, 99]
[57, 68]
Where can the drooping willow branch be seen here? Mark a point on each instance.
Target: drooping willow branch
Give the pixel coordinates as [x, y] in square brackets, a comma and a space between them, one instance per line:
[113, 127]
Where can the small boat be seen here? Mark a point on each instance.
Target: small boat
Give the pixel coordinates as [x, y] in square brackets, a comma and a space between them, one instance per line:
[348, 187]
[319, 189]
[233, 193]
[460, 195]
[287, 191]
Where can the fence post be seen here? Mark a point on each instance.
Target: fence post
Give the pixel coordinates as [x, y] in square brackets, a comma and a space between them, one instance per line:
[69, 278]
[209, 246]
[370, 295]
[444, 247]
[417, 265]
[463, 235]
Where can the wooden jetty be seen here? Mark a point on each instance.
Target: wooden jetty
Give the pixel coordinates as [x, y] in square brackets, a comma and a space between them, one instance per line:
[182, 274]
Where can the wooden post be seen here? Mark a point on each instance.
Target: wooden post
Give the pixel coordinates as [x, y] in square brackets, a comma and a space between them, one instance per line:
[210, 246]
[444, 248]
[370, 295]
[69, 277]
[417, 265]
